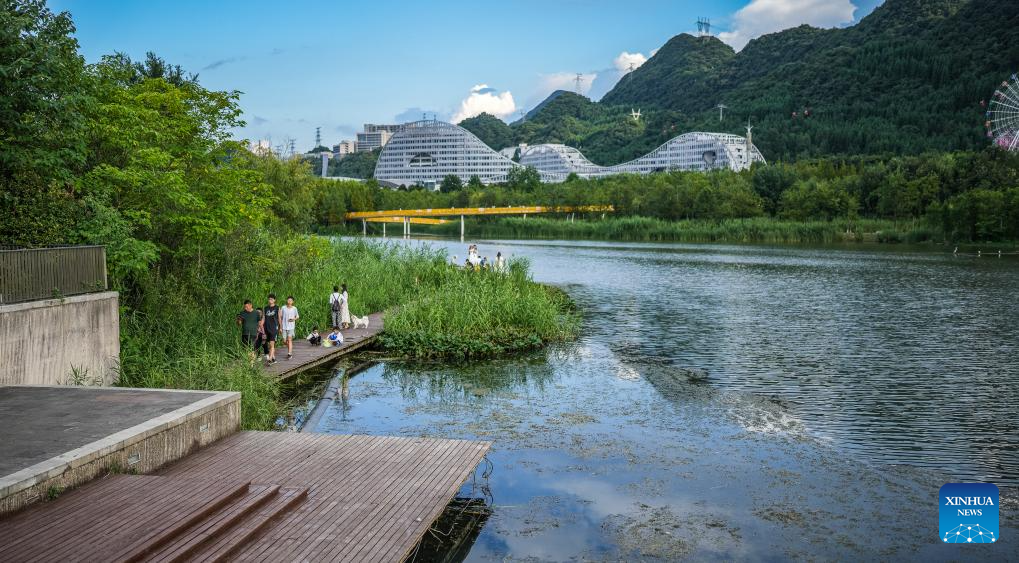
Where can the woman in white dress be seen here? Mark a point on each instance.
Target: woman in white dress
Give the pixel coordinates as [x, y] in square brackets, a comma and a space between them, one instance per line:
[344, 307]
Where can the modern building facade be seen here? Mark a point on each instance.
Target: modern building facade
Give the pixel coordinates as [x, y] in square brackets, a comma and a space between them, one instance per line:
[696, 151]
[425, 152]
[369, 141]
[392, 129]
[345, 147]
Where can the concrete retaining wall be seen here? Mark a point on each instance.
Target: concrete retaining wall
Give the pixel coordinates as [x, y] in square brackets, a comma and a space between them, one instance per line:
[139, 449]
[44, 342]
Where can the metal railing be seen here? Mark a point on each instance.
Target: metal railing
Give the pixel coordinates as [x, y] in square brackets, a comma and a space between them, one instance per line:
[27, 274]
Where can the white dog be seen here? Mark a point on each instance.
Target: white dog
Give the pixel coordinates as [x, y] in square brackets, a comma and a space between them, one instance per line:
[360, 321]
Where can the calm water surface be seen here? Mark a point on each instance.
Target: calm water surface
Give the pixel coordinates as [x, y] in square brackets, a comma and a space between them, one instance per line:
[732, 402]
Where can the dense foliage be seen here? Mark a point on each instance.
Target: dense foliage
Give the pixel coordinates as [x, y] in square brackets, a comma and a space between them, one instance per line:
[908, 79]
[355, 165]
[491, 130]
[967, 196]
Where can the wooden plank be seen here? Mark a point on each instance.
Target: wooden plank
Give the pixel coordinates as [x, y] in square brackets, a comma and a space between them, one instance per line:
[307, 356]
[364, 498]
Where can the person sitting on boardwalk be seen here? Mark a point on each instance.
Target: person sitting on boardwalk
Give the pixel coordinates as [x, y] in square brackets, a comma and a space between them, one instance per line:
[335, 338]
[314, 338]
[271, 328]
[249, 320]
[344, 308]
[335, 306]
[288, 318]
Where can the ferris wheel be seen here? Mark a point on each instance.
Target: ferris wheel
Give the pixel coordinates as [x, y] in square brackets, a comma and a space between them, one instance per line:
[1003, 115]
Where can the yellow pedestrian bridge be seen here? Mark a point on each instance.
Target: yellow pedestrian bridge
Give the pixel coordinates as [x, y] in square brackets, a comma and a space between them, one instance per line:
[429, 216]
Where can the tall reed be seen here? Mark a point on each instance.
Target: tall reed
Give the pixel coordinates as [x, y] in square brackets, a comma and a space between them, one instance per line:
[752, 230]
[178, 328]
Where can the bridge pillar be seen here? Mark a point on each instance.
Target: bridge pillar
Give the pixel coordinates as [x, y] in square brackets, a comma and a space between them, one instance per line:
[364, 227]
[383, 230]
[461, 228]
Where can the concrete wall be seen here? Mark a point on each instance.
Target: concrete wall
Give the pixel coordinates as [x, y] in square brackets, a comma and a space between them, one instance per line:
[40, 341]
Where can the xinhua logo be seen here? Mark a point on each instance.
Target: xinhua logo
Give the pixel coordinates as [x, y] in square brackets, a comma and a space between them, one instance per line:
[968, 513]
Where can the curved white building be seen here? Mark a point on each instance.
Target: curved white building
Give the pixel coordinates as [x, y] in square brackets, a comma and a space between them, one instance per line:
[690, 151]
[425, 152]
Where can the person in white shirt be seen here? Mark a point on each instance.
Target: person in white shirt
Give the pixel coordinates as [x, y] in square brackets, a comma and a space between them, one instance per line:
[288, 320]
[335, 338]
[500, 262]
[334, 306]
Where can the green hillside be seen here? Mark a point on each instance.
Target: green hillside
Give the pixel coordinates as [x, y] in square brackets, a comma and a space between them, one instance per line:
[908, 78]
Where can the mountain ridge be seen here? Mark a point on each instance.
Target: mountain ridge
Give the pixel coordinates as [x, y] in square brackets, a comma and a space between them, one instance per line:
[906, 79]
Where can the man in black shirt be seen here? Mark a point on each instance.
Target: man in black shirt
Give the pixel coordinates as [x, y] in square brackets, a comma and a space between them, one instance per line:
[249, 320]
[271, 325]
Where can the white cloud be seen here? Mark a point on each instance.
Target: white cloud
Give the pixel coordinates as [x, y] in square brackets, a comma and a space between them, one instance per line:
[483, 99]
[624, 60]
[767, 16]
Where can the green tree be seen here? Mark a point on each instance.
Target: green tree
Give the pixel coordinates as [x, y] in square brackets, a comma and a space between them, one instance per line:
[523, 178]
[474, 183]
[164, 177]
[451, 183]
[41, 125]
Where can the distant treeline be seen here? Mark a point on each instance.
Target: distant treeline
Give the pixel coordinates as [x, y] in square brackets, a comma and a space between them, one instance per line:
[966, 196]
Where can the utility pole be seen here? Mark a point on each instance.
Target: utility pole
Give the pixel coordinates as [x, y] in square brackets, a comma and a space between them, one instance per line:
[721, 109]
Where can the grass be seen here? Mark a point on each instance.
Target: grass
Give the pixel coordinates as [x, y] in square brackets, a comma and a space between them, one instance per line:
[178, 330]
[754, 230]
[480, 314]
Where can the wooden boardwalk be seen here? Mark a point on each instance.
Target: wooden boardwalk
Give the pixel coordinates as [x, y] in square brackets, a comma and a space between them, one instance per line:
[307, 356]
[256, 496]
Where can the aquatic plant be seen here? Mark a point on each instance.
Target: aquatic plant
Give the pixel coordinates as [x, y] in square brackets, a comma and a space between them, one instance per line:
[480, 314]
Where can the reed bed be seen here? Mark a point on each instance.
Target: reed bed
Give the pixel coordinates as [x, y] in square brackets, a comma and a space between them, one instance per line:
[178, 329]
[647, 229]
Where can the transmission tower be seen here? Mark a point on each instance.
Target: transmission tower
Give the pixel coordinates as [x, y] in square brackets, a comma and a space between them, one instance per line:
[318, 137]
[703, 27]
[579, 80]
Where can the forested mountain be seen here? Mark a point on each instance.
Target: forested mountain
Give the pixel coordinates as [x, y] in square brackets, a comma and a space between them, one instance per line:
[491, 130]
[908, 78]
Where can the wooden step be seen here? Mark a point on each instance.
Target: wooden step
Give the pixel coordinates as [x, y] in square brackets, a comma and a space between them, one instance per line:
[219, 524]
[286, 500]
[176, 524]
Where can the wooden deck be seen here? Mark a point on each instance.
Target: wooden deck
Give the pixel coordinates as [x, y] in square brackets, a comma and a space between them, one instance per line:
[256, 496]
[307, 356]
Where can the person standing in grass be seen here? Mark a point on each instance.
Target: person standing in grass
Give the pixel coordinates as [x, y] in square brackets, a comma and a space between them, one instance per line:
[271, 327]
[335, 306]
[249, 320]
[344, 307]
[288, 320]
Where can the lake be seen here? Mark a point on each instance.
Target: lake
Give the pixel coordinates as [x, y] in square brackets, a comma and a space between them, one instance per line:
[749, 402]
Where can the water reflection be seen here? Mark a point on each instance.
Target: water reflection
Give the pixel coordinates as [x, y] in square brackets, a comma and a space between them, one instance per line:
[732, 403]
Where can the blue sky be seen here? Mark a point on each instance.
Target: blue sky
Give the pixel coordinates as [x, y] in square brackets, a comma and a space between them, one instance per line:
[338, 65]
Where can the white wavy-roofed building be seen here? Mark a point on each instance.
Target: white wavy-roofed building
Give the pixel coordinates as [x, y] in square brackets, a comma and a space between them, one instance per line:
[427, 151]
[695, 151]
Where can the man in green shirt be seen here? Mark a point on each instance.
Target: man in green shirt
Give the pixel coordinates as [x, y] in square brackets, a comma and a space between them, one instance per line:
[248, 319]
